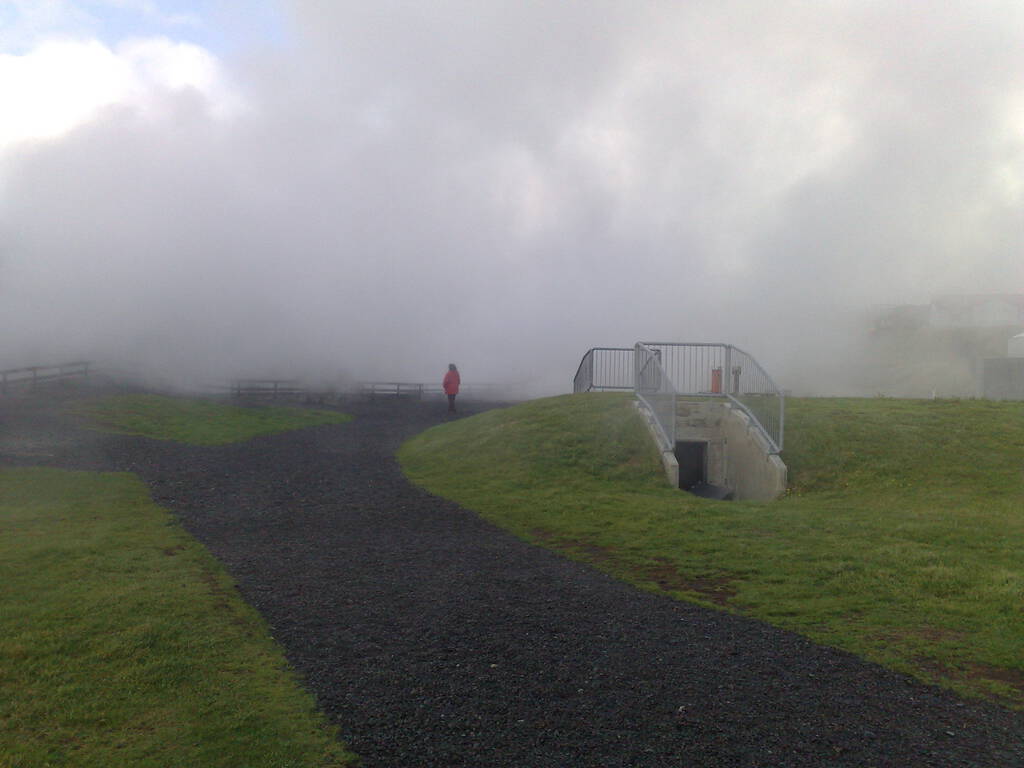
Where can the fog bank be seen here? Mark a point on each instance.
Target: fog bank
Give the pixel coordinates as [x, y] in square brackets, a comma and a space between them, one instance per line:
[392, 188]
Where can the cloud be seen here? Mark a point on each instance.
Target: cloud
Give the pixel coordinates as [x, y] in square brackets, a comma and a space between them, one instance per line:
[62, 84]
[507, 184]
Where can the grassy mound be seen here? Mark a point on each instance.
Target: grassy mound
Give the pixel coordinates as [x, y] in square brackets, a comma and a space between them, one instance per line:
[124, 643]
[200, 422]
[900, 538]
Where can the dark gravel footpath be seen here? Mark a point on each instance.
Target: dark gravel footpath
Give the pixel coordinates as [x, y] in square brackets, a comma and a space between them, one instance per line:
[435, 639]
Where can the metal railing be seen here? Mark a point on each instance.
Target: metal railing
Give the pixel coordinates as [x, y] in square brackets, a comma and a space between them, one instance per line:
[656, 391]
[755, 392]
[695, 369]
[605, 368]
[722, 370]
[34, 375]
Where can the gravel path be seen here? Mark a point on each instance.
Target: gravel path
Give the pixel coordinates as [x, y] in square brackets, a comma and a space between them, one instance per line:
[435, 639]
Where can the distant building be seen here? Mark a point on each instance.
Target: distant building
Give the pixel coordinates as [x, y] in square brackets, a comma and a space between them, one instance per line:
[990, 310]
[979, 310]
[1002, 378]
[888, 317]
[954, 346]
[1015, 346]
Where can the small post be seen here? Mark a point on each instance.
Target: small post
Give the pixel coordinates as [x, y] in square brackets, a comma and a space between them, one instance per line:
[636, 368]
[728, 366]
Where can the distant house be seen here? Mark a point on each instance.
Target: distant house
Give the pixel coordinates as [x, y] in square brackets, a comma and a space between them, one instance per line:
[888, 317]
[981, 310]
[966, 310]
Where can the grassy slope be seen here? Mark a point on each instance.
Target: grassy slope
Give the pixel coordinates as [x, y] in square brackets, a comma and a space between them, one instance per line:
[201, 422]
[124, 643]
[900, 538]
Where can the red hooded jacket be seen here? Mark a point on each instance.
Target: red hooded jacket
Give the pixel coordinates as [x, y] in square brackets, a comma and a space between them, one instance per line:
[451, 383]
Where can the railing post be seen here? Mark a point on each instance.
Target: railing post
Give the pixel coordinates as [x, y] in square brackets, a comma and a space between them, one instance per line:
[636, 368]
[727, 373]
[782, 420]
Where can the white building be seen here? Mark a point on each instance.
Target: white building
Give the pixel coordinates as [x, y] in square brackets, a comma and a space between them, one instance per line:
[990, 310]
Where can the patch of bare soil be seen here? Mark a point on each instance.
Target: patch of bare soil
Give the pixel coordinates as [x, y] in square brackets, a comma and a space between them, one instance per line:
[718, 590]
[666, 575]
[433, 638]
[1012, 678]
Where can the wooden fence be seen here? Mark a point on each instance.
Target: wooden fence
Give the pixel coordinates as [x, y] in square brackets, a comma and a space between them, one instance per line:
[37, 375]
[267, 388]
[398, 389]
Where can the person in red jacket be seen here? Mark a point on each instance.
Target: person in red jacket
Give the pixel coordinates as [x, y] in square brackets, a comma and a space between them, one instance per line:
[451, 385]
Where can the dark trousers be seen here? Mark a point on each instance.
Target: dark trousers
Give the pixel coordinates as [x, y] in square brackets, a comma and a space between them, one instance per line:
[451, 403]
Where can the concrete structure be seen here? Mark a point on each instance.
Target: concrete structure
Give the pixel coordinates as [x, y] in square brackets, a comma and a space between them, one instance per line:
[752, 472]
[994, 310]
[1002, 378]
[733, 453]
[668, 458]
[985, 310]
[703, 421]
[1015, 346]
[737, 455]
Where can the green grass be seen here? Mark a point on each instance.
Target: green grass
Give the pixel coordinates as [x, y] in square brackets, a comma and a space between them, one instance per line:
[199, 422]
[122, 642]
[901, 538]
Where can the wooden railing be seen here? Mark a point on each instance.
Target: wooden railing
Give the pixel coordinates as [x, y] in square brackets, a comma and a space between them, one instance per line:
[36, 375]
[398, 389]
[272, 388]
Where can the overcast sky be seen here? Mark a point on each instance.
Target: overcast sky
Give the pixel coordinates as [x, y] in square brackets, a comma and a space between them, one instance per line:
[379, 188]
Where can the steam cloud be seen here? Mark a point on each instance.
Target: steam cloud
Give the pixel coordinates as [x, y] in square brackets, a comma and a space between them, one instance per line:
[504, 185]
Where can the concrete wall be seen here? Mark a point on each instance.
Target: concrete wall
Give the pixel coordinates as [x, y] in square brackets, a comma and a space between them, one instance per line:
[668, 459]
[753, 473]
[702, 420]
[1002, 378]
[738, 455]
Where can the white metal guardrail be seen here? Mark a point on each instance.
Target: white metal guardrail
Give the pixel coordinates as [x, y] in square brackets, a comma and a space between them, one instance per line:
[757, 394]
[722, 370]
[605, 368]
[693, 369]
[655, 390]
